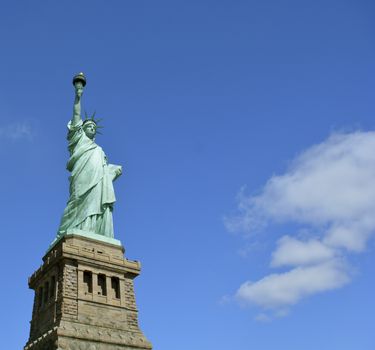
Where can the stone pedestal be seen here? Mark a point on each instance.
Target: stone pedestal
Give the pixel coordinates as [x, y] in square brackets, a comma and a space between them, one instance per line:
[84, 299]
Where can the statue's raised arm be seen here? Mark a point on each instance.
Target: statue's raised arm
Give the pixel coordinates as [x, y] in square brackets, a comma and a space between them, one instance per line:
[79, 81]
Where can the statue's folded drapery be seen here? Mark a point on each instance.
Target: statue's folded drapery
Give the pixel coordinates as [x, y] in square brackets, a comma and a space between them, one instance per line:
[91, 189]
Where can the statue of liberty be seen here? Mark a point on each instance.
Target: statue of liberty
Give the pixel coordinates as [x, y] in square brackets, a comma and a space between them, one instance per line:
[92, 196]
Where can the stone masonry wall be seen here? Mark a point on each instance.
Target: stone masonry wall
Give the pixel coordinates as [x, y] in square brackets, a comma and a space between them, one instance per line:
[132, 314]
[34, 315]
[77, 344]
[129, 294]
[69, 317]
[43, 315]
[67, 305]
[132, 320]
[59, 297]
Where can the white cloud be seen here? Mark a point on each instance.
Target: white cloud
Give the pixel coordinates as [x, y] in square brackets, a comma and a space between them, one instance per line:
[330, 184]
[329, 189]
[17, 131]
[277, 291]
[262, 317]
[294, 252]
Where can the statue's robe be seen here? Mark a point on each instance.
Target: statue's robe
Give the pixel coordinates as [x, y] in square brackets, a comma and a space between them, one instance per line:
[91, 189]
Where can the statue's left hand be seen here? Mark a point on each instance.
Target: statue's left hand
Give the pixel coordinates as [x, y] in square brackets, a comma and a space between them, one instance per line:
[115, 170]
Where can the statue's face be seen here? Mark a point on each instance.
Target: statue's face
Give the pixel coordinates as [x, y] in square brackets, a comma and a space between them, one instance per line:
[90, 130]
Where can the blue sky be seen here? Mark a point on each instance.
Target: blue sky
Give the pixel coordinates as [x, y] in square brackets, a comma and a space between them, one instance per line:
[245, 129]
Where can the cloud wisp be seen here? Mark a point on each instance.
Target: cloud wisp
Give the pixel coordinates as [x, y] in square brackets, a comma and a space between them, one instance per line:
[329, 190]
[22, 130]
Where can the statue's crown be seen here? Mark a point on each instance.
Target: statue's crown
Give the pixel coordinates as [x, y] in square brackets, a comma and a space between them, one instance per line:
[92, 119]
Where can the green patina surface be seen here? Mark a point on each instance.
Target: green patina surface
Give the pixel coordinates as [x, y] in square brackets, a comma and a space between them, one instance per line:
[91, 193]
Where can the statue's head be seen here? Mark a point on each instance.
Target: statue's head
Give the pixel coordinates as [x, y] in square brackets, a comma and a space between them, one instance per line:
[89, 127]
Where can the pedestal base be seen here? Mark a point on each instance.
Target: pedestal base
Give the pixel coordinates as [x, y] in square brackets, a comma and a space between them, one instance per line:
[87, 234]
[84, 298]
